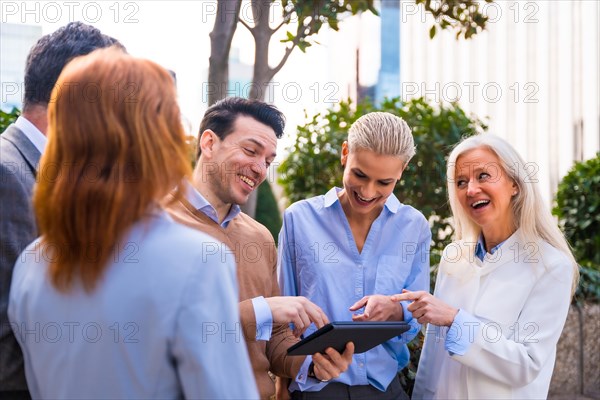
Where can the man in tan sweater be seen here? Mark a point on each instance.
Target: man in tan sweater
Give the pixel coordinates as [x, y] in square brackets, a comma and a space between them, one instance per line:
[236, 145]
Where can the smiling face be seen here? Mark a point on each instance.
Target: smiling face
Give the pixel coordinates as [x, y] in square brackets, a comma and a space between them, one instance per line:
[485, 192]
[369, 179]
[233, 167]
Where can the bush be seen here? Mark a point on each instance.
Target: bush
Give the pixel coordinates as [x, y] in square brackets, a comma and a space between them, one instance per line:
[7, 118]
[267, 212]
[578, 210]
[313, 165]
[589, 283]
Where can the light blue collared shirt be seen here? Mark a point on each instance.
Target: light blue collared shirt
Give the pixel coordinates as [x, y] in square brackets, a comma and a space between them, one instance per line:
[201, 204]
[480, 250]
[457, 340]
[262, 311]
[162, 322]
[318, 258]
[34, 135]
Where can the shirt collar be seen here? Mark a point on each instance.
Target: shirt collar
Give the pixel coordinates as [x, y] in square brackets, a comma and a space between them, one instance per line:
[34, 135]
[201, 204]
[480, 250]
[392, 203]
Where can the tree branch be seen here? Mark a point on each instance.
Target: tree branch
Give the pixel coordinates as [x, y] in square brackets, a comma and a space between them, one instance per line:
[278, 27]
[288, 51]
[247, 26]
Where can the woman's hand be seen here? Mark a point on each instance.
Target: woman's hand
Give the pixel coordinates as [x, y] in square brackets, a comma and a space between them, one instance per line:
[378, 308]
[427, 308]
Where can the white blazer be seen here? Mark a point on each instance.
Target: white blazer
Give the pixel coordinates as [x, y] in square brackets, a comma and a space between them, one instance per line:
[520, 297]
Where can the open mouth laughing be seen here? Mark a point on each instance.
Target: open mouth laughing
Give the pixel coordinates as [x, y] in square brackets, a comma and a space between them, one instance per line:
[363, 200]
[248, 181]
[479, 204]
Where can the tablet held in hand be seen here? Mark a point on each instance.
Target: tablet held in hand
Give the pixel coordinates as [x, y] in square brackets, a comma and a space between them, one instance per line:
[364, 335]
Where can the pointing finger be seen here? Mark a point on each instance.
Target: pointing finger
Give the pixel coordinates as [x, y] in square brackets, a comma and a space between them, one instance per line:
[359, 304]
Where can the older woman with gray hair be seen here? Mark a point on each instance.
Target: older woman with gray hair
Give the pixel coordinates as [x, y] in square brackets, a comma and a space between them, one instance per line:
[352, 248]
[503, 287]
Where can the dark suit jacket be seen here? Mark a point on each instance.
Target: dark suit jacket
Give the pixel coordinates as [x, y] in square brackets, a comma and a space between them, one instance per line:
[18, 163]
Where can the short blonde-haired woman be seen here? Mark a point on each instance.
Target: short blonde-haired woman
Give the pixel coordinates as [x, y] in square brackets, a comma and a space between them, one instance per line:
[503, 288]
[115, 300]
[350, 249]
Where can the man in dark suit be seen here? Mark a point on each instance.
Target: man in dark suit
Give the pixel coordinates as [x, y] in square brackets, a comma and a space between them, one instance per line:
[21, 147]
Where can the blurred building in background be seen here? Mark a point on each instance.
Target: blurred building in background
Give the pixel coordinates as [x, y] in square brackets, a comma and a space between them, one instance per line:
[388, 82]
[534, 74]
[15, 42]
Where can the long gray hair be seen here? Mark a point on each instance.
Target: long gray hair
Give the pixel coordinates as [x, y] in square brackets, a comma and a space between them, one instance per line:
[531, 215]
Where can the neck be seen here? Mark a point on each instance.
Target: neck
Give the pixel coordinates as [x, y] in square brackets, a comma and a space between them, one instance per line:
[202, 183]
[38, 116]
[353, 218]
[492, 237]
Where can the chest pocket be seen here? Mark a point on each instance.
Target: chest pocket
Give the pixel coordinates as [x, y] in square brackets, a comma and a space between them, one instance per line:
[391, 274]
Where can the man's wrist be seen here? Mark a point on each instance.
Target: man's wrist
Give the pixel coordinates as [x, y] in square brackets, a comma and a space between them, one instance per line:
[311, 373]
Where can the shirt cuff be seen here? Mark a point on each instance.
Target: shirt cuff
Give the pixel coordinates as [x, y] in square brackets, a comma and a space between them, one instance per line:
[407, 315]
[415, 327]
[264, 318]
[303, 382]
[461, 334]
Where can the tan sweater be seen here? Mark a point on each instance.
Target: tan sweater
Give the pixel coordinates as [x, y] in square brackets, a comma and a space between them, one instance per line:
[256, 258]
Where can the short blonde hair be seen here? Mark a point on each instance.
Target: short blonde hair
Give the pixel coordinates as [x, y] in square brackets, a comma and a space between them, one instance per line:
[383, 133]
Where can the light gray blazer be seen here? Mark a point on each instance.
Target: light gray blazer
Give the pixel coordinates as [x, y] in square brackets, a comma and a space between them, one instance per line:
[18, 162]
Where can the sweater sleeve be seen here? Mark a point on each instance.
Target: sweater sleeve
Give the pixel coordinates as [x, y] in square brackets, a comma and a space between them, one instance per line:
[282, 338]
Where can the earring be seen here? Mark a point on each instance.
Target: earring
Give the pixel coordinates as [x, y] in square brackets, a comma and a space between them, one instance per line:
[515, 193]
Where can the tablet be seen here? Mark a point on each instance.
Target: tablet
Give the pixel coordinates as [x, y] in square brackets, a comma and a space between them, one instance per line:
[364, 335]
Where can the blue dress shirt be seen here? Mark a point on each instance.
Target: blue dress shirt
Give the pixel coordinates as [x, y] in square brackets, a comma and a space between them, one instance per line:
[480, 250]
[201, 204]
[319, 259]
[162, 322]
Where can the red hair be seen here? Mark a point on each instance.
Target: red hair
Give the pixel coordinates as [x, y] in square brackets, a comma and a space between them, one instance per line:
[116, 147]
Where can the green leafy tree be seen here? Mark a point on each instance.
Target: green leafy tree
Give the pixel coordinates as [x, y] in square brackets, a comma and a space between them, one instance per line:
[304, 18]
[578, 209]
[463, 16]
[313, 165]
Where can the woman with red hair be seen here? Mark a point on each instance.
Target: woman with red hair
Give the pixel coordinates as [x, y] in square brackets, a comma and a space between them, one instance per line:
[116, 300]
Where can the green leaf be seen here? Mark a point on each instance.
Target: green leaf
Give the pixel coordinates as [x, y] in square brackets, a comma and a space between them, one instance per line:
[432, 32]
[303, 45]
[289, 37]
